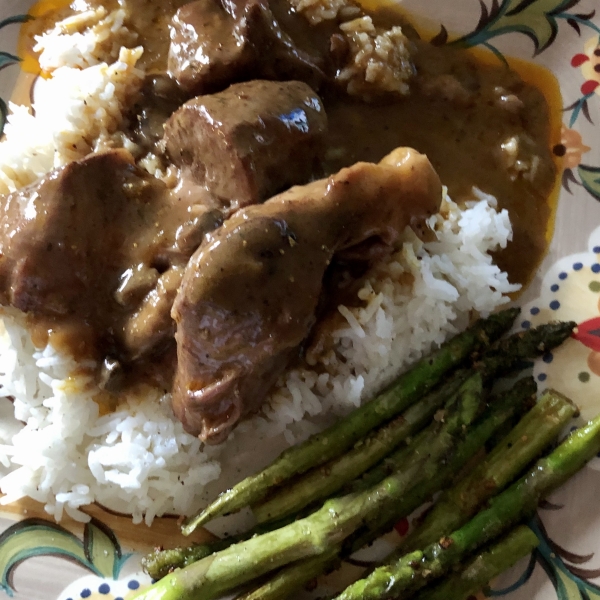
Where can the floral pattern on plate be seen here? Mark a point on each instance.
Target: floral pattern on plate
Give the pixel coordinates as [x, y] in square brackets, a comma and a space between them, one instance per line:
[571, 291]
[572, 147]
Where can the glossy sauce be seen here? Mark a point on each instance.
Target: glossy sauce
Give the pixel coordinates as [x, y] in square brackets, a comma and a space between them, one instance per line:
[462, 141]
[462, 136]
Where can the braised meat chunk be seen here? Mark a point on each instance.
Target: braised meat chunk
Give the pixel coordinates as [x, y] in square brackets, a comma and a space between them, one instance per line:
[205, 54]
[250, 141]
[250, 292]
[100, 246]
[214, 44]
[59, 236]
[90, 246]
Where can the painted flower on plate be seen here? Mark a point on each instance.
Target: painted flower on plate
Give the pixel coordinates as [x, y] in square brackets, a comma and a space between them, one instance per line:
[571, 148]
[589, 61]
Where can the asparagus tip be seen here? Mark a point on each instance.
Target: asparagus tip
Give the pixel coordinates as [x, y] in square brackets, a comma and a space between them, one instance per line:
[190, 524]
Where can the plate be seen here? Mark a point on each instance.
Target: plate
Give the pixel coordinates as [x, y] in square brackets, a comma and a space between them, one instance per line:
[40, 560]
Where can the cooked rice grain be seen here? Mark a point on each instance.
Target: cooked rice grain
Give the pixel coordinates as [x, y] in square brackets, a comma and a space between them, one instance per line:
[67, 455]
[317, 11]
[380, 61]
[83, 40]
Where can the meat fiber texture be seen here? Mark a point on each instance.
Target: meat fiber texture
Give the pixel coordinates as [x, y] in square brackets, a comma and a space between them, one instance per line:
[139, 460]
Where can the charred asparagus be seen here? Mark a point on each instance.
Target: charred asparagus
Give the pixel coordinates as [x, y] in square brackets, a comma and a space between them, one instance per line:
[416, 569]
[484, 567]
[333, 442]
[320, 483]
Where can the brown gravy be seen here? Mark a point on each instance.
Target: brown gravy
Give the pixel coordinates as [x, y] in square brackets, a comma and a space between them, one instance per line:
[464, 143]
[462, 139]
[463, 108]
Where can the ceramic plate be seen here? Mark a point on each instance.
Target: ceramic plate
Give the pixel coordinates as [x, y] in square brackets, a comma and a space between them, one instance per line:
[40, 560]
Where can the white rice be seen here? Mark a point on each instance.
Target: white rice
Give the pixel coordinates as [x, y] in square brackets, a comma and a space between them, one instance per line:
[140, 460]
[67, 455]
[55, 445]
[84, 40]
[80, 109]
[317, 11]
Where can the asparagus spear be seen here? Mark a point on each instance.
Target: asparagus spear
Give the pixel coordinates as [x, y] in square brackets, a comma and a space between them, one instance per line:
[320, 483]
[162, 562]
[318, 533]
[502, 356]
[432, 476]
[294, 577]
[519, 501]
[532, 434]
[508, 406]
[323, 482]
[319, 449]
[484, 567]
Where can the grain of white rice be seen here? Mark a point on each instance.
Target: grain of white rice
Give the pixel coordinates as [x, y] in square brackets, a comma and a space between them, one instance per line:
[83, 40]
[317, 11]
